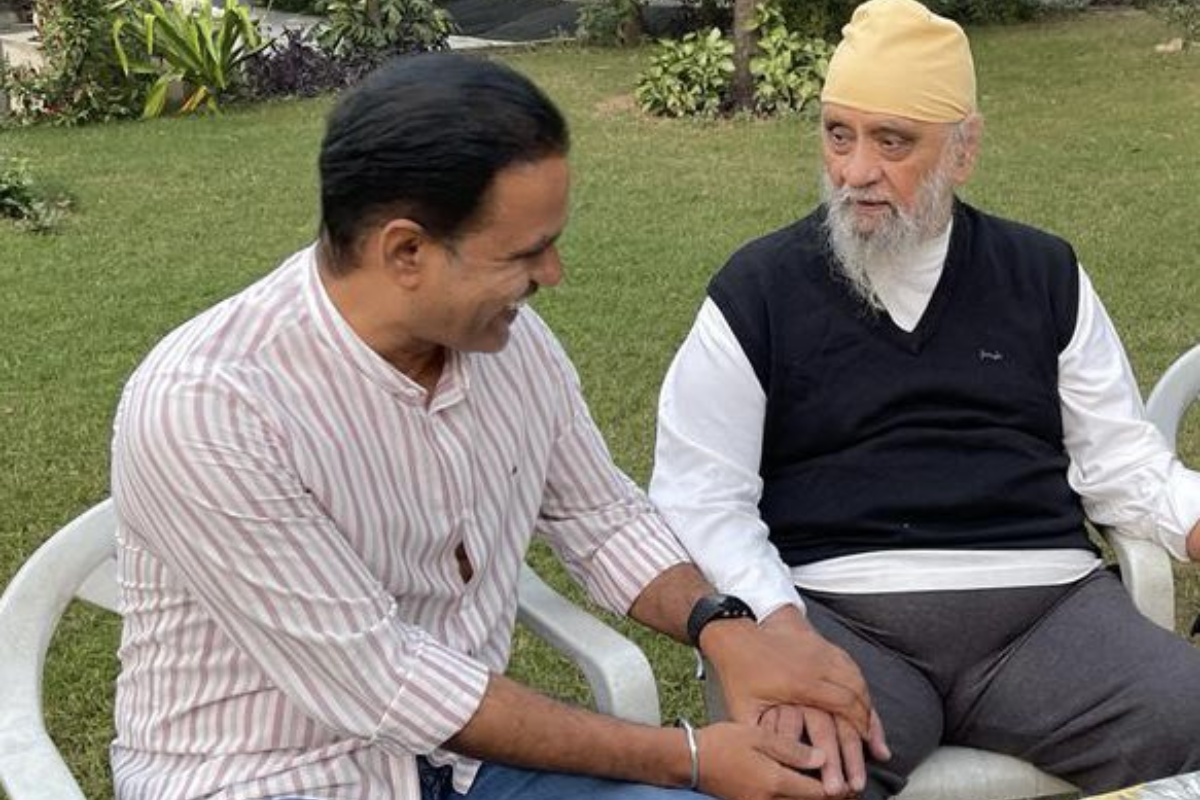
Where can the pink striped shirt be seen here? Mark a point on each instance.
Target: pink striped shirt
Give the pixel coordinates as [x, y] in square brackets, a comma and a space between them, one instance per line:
[290, 506]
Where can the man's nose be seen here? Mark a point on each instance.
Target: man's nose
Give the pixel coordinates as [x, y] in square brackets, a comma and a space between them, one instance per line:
[861, 168]
[549, 269]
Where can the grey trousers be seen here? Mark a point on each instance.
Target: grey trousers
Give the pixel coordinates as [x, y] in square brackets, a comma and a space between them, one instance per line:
[1070, 678]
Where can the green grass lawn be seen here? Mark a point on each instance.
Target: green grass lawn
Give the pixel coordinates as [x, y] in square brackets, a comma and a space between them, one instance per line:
[1090, 134]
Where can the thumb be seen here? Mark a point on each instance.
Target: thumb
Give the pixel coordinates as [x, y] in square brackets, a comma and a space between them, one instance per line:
[791, 753]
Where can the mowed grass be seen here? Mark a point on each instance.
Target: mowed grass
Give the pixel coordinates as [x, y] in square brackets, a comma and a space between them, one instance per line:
[1090, 134]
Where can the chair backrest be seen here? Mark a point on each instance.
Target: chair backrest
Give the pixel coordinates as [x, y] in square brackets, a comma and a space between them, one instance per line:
[1175, 391]
[78, 561]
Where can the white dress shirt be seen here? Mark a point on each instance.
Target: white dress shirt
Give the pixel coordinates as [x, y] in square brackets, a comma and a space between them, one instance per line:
[290, 506]
[710, 428]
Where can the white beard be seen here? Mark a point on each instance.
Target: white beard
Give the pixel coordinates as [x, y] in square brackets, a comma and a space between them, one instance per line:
[862, 257]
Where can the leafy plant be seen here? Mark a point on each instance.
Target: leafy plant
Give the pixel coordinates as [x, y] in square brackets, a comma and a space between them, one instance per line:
[201, 51]
[1181, 15]
[293, 66]
[21, 200]
[610, 23]
[599, 23]
[378, 29]
[789, 69]
[81, 80]
[687, 77]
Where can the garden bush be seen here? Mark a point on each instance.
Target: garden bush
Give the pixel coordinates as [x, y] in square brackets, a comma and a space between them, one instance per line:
[294, 66]
[82, 80]
[378, 29]
[789, 69]
[198, 51]
[1183, 16]
[692, 76]
[22, 200]
[688, 77]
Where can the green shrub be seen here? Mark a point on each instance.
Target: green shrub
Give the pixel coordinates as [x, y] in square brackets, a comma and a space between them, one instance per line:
[691, 77]
[201, 50]
[82, 80]
[1183, 16]
[825, 18]
[987, 11]
[23, 201]
[789, 69]
[817, 18]
[688, 77]
[610, 23]
[382, 28]
[599, 23]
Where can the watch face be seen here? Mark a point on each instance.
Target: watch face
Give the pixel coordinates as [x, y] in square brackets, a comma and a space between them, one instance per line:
[715, 607]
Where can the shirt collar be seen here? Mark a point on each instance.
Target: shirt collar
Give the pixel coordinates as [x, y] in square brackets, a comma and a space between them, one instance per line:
[336, 332]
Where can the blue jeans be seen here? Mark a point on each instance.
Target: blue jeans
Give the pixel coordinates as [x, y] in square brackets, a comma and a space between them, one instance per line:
[498, 782]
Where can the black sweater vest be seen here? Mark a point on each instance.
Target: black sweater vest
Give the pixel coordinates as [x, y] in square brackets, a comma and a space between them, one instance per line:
[948, 437]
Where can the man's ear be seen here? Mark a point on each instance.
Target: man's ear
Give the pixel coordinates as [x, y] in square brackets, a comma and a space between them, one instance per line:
[968, 149]
[404, 247]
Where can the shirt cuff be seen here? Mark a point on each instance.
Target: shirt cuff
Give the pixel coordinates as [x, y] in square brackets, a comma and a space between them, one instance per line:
[1185, 508]
[630, 560]
[441, 692]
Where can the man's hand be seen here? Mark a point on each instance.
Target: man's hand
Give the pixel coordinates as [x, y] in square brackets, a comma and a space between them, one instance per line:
[743, 762]
[1193, 543]
[784, 661]
[844, 771]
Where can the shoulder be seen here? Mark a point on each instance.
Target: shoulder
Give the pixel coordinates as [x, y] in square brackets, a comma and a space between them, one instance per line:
[1034, 267]
[208, 363]
[995, 231]
[777, 267]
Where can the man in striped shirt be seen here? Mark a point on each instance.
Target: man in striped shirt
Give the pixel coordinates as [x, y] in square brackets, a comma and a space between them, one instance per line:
[327, 485]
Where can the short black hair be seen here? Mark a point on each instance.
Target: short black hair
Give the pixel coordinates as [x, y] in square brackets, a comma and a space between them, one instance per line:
[423, 137]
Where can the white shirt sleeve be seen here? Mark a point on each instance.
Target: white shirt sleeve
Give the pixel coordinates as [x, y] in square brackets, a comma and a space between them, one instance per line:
[706, 479]
[1125, 472]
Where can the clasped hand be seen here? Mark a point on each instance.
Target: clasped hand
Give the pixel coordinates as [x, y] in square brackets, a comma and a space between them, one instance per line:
[786, 678]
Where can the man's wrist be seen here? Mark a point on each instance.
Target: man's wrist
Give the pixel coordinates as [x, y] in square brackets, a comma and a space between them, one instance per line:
[713, 609]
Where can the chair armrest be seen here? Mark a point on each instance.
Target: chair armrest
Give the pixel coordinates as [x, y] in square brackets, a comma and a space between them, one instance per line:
[1146, 573]
[621, 679]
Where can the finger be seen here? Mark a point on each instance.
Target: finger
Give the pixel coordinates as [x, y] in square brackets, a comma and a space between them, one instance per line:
[791, 722]
[851, 747]
[794, 786]
[792, 753]
[769, 719]
[877, 740]
[841, 702]
[823, 734]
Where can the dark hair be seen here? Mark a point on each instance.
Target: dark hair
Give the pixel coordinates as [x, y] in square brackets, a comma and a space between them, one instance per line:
[423, 137]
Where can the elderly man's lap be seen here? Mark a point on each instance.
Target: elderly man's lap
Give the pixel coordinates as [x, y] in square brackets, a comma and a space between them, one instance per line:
[1095, 693]
[1083, 686]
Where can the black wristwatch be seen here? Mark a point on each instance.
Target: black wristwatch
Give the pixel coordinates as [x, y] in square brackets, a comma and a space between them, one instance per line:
[713, 607]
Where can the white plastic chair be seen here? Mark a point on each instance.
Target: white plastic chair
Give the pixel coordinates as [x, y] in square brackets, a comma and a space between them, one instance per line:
[963, 773]
[79, 562]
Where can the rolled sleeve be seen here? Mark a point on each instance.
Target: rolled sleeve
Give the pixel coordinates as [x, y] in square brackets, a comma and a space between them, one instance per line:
[599, 523]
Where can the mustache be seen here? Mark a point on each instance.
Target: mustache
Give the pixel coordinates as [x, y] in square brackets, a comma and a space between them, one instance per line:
[845, 195]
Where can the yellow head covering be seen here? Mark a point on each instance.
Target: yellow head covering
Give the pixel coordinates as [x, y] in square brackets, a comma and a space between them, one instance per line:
[898, 57]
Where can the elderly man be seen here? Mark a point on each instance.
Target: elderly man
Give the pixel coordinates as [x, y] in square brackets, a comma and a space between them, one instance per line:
[905, 408]
[326, 486]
